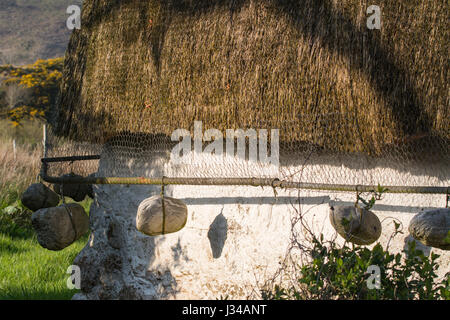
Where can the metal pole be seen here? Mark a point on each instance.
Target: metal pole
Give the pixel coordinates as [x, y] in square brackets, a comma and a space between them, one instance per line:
[256, 182]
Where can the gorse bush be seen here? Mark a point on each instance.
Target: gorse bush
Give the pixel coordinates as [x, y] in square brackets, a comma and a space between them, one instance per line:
[38, 86]
[342, 273]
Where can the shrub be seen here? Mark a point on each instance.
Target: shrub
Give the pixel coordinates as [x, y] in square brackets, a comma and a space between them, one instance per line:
[15, 219]
[334, 272]
[330, 271]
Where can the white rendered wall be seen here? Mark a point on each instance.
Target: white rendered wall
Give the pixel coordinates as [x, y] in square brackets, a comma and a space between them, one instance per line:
[235, 236]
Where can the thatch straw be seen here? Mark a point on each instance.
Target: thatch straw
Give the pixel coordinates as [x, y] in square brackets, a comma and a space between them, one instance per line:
[310, 68]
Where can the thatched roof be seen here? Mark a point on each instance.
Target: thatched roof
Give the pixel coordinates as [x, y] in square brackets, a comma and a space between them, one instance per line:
[310, 68]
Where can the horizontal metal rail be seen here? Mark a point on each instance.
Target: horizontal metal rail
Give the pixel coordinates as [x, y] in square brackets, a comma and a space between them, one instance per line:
[256, 182]
[71, 159]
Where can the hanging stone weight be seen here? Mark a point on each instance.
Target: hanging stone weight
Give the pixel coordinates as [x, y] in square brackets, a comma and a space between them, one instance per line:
[39, 196]
[149, 218]
[61, 226]
[432, 228]
[75, 191]
[356, 225]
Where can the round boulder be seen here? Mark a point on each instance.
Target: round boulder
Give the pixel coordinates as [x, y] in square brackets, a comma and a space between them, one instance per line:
[356, 225]
[153, 221]
[61, 226]
[39, 196]
[432, 228]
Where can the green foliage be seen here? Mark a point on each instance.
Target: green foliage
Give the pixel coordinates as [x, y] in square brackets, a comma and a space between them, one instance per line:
[375, 195]
[447, 238]
[15, 219]
[341, 273]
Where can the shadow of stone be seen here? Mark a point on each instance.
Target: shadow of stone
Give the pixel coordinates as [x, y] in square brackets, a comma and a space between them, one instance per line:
[217, 235]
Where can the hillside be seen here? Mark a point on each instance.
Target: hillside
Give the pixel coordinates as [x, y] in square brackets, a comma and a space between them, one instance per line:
[33, 29]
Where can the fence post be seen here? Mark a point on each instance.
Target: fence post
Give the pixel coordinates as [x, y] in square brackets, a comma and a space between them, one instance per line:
[44, 140]
[44, 165]
[14, 149]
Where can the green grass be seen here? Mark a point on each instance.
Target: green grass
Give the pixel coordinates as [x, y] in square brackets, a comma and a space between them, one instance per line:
[28, 271]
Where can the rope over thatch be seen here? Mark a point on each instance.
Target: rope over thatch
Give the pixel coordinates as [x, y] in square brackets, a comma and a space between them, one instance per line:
[310, 68]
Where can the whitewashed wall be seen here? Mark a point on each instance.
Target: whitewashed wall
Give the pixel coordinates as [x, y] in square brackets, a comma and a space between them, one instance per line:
[235, 236]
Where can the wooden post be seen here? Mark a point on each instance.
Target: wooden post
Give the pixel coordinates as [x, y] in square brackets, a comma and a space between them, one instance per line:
[44, 140]
[44, 144]
[14, 149]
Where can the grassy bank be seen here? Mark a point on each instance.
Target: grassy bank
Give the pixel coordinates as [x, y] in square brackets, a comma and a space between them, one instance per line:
[27, 271]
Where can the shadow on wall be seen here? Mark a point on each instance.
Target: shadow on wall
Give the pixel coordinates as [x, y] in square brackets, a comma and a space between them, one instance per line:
[217, 235]
[295, 201]
[256, 200]
[179, 254]
[388, 207]
[433, 163]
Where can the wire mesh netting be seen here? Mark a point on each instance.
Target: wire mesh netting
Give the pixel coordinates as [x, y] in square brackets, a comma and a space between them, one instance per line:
[352, 105]
[136, 155]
